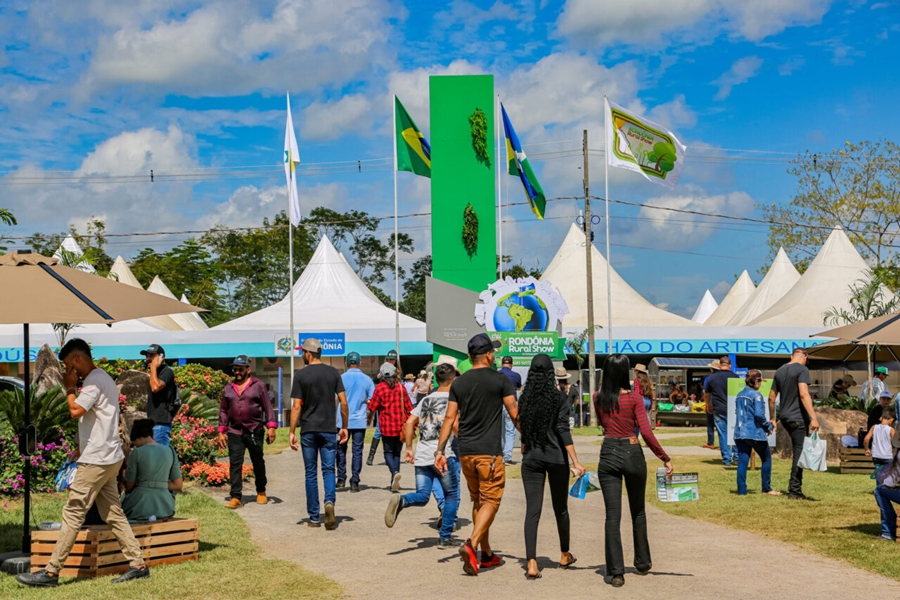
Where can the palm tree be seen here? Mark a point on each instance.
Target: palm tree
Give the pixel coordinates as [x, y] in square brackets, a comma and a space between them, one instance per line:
[869, 298]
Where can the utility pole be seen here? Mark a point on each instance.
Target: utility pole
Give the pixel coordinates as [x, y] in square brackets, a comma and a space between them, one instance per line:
[589, 276]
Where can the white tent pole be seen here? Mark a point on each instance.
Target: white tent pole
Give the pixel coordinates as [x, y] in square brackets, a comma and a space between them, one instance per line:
[396, 243]
[498, 117]
[291, 261]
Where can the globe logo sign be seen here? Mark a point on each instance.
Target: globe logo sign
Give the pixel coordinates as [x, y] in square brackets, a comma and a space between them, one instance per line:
[521, 311]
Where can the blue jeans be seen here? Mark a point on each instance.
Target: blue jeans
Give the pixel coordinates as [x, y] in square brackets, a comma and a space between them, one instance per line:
[710, 430]
[161, 434]
[393, 446]
[885, 497]
[509, 436]
[744, 448]
[449, 484]
[317, 446]
[722, 429]
[357, 438]
[879, 463]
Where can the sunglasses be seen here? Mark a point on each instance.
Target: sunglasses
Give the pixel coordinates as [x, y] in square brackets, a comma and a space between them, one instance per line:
[238, 369]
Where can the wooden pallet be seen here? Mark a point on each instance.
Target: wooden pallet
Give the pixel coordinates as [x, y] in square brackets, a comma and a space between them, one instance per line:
[854, 460]
[97, 552]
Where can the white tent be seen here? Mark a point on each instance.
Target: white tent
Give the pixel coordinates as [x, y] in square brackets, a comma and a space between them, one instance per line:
[779, 279]
[186, 321]
[825, 284]
[705, 309]
[567, 270]
[737, 296]
[122, 273]
[329, 297]
[71, 246]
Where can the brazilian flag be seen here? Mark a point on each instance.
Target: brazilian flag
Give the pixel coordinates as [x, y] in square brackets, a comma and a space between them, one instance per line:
[413, 151]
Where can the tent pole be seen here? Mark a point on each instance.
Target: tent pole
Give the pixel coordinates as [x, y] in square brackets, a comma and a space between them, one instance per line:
[26, 531]
[589, 274]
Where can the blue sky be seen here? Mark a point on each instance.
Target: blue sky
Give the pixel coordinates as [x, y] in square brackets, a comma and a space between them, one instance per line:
[102, 88]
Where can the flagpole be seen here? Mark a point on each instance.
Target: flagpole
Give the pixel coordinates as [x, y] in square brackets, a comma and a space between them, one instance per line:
[396, 243]
[291, 254]
[609, 331]
[499, 195]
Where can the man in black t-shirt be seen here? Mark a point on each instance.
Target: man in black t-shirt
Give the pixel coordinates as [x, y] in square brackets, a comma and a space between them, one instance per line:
[796, 412]
[316, 390]
[477, 398]
[162, 395]
[715, 393]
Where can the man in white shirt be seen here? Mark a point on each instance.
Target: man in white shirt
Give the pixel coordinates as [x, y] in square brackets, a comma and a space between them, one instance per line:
[99, 457]
[878, 385]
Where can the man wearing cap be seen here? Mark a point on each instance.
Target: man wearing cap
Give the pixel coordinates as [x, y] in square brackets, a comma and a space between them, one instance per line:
[476, 397]
[509, 430]
[710, 421]
[716, 395]
[877, 384]
[390, 359]
[313, 393]
[358, 388]
[884, 401]
[162, 395]
[244, 414]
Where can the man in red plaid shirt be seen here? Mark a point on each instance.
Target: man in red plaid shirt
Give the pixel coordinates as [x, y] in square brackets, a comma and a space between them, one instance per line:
[392, 403]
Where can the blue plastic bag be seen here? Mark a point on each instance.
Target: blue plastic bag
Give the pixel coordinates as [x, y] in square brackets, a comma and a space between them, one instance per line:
[584, 485]
[66, 475]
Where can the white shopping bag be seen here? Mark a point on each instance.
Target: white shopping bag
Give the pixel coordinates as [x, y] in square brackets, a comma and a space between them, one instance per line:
[814, 453]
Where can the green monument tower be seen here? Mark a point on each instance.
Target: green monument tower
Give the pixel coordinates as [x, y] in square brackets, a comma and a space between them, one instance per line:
[463, 193]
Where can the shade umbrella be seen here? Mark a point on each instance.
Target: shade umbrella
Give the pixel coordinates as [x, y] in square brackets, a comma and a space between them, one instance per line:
[880, 330]
[37, 289]
[849, 351]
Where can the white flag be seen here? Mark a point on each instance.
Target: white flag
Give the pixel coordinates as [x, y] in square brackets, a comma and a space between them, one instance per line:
[291, 160]
[640, 145]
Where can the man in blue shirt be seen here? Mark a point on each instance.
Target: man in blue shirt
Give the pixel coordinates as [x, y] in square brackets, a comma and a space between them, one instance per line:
[509, 430]
[359, 388]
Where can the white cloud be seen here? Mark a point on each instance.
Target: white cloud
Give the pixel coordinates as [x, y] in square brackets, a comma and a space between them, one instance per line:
[673, 114]
[139, 151]
[603, 23]
[248, 204]
[330, 120]
[791, 65]
[231, 48]
[667, 229]
[721, 289]
[741, 71]
[842, 54]
[411, 87]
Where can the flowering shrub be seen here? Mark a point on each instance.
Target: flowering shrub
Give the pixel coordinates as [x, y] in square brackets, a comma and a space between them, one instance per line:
[193, 438]
[217, 473]
[114, 368]
[201, 380]
[45, 463]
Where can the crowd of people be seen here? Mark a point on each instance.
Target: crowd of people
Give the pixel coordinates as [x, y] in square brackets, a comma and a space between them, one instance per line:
[454, 427]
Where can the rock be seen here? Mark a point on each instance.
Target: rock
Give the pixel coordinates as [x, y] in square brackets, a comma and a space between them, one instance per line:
[126, 419]
[833, 423]
[47, 372]
[14, 563]
[134, 385]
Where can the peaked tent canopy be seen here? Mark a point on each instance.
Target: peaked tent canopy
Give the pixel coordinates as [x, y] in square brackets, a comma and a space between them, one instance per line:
[185, 321]
[705, 309]
[825, 284]
[328, 296]
[71, 246]
[737, 296]
[122, 273]
[779, 280]
[629, 309]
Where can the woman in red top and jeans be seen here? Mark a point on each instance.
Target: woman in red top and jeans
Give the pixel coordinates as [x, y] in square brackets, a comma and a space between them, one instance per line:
[620, 412]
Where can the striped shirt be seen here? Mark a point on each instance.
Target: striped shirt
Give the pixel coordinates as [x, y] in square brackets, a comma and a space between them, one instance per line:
[631, 416]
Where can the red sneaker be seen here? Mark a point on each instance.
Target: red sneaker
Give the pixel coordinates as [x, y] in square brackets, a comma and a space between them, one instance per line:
[493, 561]
[470, 561]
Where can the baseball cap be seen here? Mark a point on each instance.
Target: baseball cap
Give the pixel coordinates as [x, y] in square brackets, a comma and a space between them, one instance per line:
[443, 359]
[241, 361]
[885, 394]
[353, 358]
[310, 345]
[881, 370]
[388, 370]
[482, 344]
[391, 355]
[153, 349]
[507, 360]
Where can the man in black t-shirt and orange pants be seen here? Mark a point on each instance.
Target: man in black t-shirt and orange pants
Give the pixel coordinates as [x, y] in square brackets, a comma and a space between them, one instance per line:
[477, 398]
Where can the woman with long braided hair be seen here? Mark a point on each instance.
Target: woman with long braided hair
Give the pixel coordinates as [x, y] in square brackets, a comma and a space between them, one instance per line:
[547, 447]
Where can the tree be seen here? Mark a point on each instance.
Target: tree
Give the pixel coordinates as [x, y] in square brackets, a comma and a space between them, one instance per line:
[92, 243]
[517, 270]
[857, 188]
[868, 299]
[7, 218]
[413, 303]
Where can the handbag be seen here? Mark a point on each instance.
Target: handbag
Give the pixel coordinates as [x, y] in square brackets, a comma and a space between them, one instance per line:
[814, 452]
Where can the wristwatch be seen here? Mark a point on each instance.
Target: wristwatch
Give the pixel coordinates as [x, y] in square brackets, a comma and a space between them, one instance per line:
[438, 453]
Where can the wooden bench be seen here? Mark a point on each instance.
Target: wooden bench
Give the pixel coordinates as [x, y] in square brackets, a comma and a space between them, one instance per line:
[97, 553]
[854, 460]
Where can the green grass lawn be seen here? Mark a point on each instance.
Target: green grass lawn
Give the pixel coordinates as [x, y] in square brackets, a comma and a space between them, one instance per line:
[230, 565]
[840, 523]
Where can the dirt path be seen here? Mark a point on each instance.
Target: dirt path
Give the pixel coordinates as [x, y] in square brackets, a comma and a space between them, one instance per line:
[691, 559]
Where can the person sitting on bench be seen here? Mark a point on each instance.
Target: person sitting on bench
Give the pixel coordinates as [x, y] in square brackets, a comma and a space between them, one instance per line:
[152, 474]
